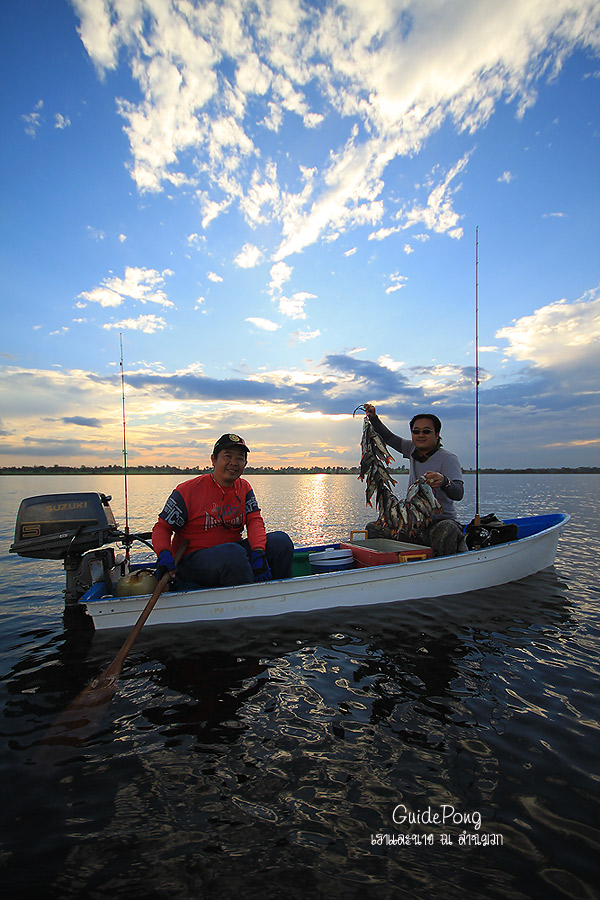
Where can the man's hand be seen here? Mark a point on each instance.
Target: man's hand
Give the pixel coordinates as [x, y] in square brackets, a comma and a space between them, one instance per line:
[164, 564]
[260, 566]
[435, 479]
[370, 411]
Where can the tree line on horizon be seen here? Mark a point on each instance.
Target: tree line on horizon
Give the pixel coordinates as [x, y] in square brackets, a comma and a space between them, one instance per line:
[268, 470]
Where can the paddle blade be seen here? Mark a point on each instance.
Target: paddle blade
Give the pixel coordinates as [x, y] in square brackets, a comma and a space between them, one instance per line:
[82, 717]
[84, 714]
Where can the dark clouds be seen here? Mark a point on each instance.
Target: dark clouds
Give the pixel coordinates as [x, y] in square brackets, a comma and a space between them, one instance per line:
[81, 420]
[331, 394]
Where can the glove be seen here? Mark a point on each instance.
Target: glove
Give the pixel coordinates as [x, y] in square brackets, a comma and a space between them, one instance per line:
[259, 563]
[165, 563]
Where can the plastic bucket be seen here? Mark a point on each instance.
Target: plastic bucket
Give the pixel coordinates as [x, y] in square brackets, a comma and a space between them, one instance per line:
[300, 564]
[330, 561]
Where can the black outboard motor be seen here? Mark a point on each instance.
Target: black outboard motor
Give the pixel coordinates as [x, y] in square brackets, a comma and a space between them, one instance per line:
[67, 526]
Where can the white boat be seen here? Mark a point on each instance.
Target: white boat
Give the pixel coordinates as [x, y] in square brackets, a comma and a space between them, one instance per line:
[75, 528]
[355, 587]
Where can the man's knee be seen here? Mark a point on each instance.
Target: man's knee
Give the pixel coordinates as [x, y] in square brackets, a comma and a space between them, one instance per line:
[234, 565]
[223, 565]
[445, 537]
[280, 554]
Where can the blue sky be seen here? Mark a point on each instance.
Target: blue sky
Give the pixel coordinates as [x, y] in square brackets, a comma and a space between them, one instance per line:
[275, 204]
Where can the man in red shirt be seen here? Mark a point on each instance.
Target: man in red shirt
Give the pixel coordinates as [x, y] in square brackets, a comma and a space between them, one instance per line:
[210, 512]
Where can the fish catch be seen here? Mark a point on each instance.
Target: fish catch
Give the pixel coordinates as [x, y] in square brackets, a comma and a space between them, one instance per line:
[409, 516]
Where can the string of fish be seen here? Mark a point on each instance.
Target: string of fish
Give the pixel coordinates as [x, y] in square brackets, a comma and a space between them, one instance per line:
[410, 515]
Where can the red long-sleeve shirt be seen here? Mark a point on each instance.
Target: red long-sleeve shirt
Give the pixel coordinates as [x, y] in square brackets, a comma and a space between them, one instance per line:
[206, 514]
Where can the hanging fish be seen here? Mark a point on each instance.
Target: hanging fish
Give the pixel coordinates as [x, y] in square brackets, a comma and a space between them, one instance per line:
[407, 517]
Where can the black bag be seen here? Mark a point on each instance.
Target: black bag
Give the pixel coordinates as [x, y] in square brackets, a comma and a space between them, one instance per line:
[490, 531]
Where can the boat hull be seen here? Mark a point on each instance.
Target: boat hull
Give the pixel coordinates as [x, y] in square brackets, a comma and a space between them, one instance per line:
[441, 576]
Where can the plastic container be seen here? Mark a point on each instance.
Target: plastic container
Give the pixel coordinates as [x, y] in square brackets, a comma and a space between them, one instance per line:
[383, 552]
[300, 564]
[331, 561]
[136, 584]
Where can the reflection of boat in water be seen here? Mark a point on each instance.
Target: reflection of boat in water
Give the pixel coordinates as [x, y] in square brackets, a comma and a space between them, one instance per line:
[75, 528]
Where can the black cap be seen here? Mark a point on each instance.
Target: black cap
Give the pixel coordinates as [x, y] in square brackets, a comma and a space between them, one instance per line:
[437, 425]
[230, 440]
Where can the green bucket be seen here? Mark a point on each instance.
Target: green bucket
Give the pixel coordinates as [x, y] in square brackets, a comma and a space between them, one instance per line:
[301, 565]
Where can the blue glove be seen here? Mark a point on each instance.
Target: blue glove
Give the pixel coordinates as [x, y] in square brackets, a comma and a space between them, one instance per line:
[259, 563]
[165, 563]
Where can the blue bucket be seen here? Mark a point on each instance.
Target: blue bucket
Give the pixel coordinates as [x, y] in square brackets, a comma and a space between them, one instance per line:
[330, 561]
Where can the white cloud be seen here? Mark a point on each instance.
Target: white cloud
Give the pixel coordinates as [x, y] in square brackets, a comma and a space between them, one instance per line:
[263, 324]
[211, 209]
[105, 296]
[263, 197]
[398, 282]
[303, 336]
[506, 177]
[383, 233]
[350, 252]
[280, 273]
[559, 334]
[95, 233]
[142, 285]
[248, 257]
[122, 238]
[391, 364]
[61, 121]
[146, 324]
[294, 306]
[253, 75]
[438, 215]
[386, 75]
[212, 276]
[100, 36]
[33, 120]
[448, 378]
[313, 120]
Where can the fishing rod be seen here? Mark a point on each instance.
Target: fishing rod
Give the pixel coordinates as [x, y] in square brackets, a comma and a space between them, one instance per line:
[127, 543]
[474, 532]
[477, 520]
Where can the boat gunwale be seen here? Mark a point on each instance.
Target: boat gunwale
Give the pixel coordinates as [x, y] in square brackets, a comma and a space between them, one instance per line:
[205, 598]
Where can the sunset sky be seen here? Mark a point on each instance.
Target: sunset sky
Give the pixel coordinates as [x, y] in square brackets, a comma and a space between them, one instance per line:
[275, 204]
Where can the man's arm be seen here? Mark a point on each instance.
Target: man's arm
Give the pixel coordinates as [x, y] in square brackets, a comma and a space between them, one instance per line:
[453, 485]
[172, 518]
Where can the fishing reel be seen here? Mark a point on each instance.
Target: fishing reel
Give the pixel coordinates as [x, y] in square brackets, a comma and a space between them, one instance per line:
[477, 537]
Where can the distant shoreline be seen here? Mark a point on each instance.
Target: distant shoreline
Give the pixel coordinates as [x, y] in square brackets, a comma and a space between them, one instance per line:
[258, 470]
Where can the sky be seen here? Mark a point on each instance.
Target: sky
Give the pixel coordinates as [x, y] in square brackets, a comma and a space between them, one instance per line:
[273, 207]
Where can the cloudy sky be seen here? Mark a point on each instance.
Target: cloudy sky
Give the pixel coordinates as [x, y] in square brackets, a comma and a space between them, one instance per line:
[275, 205]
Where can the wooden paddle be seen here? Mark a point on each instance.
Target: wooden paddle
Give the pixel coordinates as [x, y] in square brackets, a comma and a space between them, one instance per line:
[83, 715]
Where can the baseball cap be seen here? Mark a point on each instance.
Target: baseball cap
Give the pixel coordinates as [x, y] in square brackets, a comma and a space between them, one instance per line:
[230, 440]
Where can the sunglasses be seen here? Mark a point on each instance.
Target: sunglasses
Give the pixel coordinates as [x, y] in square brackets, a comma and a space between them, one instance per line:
[422, 430]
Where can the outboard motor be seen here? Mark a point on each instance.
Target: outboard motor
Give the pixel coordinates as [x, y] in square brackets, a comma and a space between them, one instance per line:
[67, 526]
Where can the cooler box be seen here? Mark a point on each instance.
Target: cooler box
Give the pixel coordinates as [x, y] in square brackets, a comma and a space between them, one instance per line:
[383, 552]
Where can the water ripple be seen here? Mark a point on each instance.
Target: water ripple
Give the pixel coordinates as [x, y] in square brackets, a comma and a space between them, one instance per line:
[263, 758]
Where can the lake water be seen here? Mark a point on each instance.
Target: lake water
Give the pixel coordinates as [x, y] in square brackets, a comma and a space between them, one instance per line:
[444, 747]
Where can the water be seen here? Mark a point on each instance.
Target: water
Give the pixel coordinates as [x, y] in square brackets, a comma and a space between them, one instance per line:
[277, 757]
